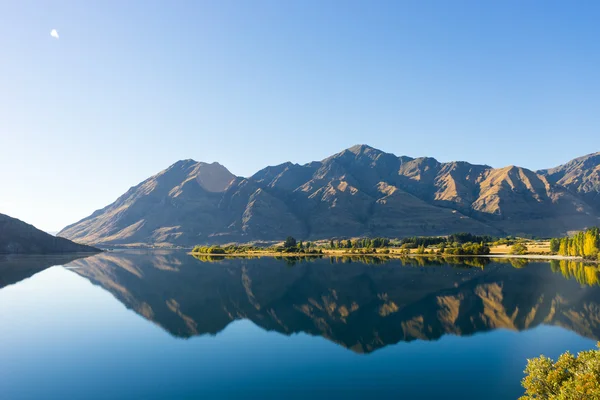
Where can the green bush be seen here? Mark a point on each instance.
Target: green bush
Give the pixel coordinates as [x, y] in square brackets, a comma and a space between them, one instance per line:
[518, 248]
[208, 250]
[570, 377]
[468, 249]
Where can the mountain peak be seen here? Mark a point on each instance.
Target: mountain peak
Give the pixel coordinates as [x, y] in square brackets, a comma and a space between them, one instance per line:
[363, 148]
[213, 177]
[184, 163]
[355, 152]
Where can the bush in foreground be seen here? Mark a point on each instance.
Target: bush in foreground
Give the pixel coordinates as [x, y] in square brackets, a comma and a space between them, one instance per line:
[570, 377]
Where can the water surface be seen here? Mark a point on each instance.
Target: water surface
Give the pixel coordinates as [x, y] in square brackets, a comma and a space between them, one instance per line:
[154, 325]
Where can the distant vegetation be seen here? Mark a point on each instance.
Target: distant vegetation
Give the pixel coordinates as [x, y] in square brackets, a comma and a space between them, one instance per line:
[469, 249]
[570, 377]
[208, 250]
[584, 244]
[364, 243]
[454, 239]
[455, 244]
[459, 244]
[290, 245]
[518, 249]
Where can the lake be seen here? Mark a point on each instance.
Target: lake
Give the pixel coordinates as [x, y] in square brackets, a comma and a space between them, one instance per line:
[165, 325]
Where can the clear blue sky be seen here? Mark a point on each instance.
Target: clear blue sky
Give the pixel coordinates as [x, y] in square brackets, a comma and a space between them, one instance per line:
[131, 87]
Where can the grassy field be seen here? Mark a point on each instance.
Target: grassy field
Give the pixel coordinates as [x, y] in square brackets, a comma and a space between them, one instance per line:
[538, 247]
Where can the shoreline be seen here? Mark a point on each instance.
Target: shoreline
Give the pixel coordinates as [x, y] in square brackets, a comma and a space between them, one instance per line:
[540, 257]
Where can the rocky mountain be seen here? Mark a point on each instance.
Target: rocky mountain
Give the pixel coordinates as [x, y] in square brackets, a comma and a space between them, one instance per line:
[580, 176]
[17, 237]
[357, 192]
[356, 305]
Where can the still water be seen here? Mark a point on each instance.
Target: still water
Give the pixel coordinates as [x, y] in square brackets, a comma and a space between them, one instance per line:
[165, 325]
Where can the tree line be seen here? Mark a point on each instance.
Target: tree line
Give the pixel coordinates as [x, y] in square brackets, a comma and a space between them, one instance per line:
[584, 244]
[454, 244]
[454, 239]
[364, 243]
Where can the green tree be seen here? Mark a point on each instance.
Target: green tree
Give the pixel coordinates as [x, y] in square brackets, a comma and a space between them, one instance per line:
[570, 377]
[518, 248]
[554, 245]
[289, 243]
[563, 249]
[442, 248]
[216, 250]
[590, 243]
[583, 244]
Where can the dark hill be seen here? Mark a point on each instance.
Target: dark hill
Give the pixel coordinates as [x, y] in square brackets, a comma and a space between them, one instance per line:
[17, 237]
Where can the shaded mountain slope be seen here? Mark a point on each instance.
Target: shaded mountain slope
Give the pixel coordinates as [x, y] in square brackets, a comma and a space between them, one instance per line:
[580, 176]
[18, 237]
[359, 191]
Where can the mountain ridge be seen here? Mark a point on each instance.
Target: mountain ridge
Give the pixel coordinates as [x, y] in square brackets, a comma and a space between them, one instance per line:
[359, 191]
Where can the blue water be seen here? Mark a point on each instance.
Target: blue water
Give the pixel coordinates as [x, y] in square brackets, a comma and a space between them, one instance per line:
[236, 329]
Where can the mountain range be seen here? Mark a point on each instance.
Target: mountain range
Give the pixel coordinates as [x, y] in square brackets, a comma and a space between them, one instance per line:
[18, 237]
[360, 191]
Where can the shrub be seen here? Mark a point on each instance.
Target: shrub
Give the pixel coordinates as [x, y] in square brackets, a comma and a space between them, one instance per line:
[518, 248]
[209, 250]
[468, 249]
[570, 377]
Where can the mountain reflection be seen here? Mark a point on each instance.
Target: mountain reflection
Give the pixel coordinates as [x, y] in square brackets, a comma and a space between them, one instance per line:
[360, 306]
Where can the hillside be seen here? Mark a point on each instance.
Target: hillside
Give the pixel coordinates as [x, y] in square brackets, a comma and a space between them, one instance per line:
[580, 176]
[17, 237]
[359, 191]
